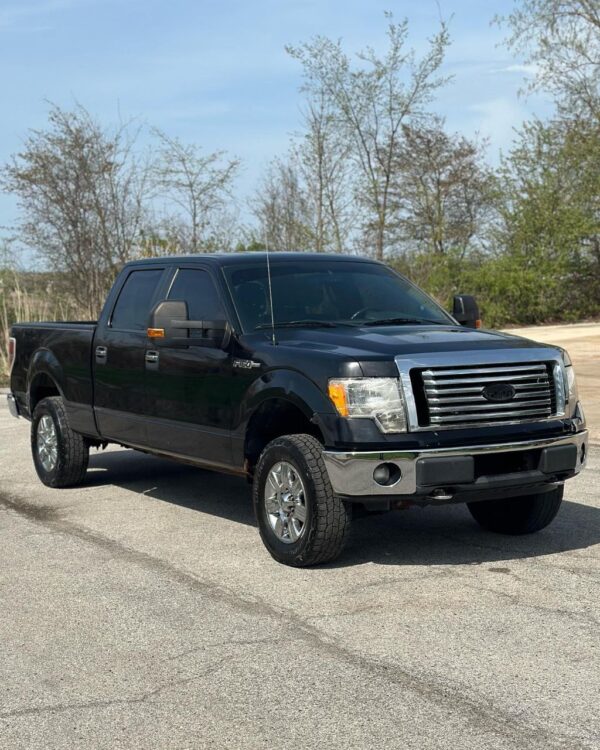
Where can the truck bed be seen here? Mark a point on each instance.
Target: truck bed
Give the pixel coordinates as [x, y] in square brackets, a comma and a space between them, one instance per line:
[65, 350]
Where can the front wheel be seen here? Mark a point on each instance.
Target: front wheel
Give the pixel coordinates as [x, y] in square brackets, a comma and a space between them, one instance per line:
[300, 520]
[518, 515]
[60, 455]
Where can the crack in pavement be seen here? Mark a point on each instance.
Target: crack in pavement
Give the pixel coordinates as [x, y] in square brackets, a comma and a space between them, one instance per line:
[147, 696]
[204, 646]
[489, 719]
[517, 601]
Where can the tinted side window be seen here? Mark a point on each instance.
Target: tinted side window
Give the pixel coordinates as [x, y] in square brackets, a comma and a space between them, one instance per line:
[132, 310]
[197, 289]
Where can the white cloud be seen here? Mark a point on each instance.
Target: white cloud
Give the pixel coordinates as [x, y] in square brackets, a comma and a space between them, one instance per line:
[528, 69]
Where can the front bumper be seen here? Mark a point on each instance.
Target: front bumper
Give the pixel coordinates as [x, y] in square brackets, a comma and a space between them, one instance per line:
[13, 407]
[446, 474]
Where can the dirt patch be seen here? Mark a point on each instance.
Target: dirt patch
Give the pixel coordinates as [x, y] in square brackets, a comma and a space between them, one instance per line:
[582, 341]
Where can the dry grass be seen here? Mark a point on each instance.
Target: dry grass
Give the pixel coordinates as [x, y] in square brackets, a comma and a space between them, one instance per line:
[29, 297]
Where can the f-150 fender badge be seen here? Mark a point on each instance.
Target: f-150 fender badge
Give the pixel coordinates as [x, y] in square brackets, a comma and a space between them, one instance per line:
[245, 364]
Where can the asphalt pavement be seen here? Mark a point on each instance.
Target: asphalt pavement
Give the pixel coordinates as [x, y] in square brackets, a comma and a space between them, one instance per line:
[142, 611]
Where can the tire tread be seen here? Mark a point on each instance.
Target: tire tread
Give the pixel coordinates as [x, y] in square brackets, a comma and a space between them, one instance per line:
[72, 447]
[330, 530]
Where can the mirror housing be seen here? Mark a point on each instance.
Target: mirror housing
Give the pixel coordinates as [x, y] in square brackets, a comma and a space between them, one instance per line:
[163, 316]
[466, 310]
[170, 326]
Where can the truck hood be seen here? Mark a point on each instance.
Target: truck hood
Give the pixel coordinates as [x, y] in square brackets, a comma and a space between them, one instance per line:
[387, 342]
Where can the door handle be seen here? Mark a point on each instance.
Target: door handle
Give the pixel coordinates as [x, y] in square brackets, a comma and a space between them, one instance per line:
[101, 354]
[151, 358]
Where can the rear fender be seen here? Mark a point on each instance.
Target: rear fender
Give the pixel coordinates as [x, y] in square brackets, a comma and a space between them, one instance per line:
[43, 367]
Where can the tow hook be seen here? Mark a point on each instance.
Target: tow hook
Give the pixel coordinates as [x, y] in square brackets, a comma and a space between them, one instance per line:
[440, 494]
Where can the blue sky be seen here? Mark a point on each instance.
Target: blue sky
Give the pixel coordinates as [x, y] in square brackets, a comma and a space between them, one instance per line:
[217, 73]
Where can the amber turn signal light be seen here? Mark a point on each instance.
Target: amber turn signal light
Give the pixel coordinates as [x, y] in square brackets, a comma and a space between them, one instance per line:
[337, 393]
[156, 333]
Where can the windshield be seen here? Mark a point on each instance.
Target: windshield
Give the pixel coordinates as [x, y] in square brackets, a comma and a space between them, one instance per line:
[320, 292]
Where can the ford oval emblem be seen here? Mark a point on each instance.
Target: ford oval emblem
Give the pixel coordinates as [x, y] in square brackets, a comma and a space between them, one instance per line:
[499, 392]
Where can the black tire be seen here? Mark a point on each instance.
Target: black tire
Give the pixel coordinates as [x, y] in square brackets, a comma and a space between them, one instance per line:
[518, 515]
[328, 518]
[72, 448]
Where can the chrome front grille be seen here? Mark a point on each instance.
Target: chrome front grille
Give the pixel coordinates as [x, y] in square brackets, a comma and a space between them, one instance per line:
[454, 396]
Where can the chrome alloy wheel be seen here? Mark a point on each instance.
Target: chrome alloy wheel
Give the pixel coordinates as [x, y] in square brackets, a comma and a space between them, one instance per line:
[285, 502]
[47, 443]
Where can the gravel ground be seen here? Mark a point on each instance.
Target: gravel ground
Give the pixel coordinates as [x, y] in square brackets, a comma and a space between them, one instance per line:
[141, 611]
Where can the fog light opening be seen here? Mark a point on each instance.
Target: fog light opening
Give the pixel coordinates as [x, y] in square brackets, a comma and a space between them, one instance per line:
[583, 453]
[387, 474]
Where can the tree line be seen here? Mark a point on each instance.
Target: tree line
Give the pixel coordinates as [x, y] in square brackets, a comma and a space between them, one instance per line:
[372, 170]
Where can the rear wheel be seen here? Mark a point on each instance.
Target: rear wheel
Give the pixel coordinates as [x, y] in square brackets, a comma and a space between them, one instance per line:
[518, 515]
[60, 455]
[301, 521]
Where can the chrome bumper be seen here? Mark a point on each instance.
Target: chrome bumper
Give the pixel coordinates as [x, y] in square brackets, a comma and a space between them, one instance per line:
[351, 474]
[13, 407]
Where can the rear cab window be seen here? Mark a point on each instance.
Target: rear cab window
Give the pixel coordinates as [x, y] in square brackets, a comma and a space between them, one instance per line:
[134, 303]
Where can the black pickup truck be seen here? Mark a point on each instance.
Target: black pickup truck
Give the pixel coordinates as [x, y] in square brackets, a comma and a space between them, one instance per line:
[330, 382]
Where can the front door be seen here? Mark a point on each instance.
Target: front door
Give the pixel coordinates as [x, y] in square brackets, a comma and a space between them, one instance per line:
[119, 359]
[189, 389]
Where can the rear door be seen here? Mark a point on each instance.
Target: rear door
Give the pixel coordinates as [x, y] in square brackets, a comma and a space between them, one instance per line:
[189, 389]
[118, 353]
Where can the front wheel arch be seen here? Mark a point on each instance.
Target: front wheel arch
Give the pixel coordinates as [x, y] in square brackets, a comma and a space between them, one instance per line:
[273, 418]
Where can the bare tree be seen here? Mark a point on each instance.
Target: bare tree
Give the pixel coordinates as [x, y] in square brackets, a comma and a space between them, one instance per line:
[284, 212]
[322, 157]
[371, 102]
[82, 194]
[303, 200]
[199, 187]
[443, 193]
[561, 39]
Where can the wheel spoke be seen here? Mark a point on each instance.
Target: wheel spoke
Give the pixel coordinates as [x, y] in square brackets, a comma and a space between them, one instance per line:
[292, 531]
[272, 505]
[279, 527]
[277, 474]
[287, 475]
[300, 513]
[272, 486]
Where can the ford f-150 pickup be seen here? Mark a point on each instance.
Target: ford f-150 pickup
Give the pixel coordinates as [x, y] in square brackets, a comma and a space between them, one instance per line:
[330, 382]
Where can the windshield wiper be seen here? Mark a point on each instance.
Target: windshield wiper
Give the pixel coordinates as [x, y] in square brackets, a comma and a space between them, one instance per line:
[401, 321]
[299, 324]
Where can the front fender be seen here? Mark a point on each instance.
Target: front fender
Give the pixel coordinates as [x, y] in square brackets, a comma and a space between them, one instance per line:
[288, 385]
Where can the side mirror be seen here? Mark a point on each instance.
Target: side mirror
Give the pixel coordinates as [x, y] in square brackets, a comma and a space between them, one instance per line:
[163, 317]
[466, 310]
[170, 326]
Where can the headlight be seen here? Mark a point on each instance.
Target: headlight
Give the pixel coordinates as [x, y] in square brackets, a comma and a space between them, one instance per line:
[571, 385]
[572, 388]
[375, 398]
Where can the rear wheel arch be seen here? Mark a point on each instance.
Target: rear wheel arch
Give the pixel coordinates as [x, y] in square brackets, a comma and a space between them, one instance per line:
[42, 385]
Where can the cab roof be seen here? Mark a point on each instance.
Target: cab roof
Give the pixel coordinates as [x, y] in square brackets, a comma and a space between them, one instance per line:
[233, 259]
